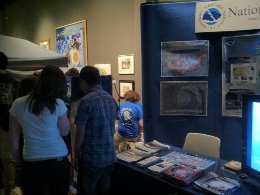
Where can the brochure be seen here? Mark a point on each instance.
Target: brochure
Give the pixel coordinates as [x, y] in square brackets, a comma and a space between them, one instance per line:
[217, 185]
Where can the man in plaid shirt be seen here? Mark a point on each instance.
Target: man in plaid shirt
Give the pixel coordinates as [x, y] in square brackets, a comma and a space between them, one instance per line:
[94, 143]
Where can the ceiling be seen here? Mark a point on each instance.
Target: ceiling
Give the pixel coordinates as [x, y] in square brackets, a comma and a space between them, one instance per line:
[5, 3]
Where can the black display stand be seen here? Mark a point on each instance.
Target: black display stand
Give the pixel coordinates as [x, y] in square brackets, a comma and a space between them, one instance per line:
[162, 22]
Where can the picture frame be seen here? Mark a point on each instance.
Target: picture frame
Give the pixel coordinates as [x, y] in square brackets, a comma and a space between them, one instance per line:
[104, 69]
[185, 58]
[126, 64]
[71, 41]
[124, 86]
[182, 98]
[45, 43]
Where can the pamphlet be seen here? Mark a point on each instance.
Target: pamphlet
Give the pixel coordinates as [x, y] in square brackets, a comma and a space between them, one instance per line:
[148, 161]
[188, 159]
[160, 167]
[157, 145]
[218, 185]
[132, 155]
[182, 174]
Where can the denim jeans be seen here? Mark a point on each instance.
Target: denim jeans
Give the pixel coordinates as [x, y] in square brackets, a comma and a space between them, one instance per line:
[92, 181]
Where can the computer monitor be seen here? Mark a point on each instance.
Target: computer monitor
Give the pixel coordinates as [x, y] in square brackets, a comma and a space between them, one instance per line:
[251, 136]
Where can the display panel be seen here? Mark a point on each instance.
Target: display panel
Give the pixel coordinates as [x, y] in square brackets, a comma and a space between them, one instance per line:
[251, 136]
[183, 98]
[75, 92]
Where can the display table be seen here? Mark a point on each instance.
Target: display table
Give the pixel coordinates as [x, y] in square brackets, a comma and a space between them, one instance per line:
[131, 179]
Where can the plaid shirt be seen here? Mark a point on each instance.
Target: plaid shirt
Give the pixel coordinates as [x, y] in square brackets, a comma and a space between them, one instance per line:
[97, 112]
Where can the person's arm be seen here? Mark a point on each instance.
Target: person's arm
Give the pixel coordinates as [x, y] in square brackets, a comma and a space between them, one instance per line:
[14, 133]
[79, 139]
[63, 124]
[140, 123]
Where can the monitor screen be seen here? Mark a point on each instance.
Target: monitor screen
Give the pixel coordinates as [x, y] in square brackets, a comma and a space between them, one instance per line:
[251, 136]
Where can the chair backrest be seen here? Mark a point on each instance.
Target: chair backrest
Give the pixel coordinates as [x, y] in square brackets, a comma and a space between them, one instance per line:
[202, 143]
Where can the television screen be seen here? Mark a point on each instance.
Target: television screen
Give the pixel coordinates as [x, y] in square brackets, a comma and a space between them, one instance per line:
[251, 136]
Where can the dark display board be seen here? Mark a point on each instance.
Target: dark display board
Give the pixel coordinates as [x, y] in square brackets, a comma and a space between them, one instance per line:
[76, 93]
[166, 22]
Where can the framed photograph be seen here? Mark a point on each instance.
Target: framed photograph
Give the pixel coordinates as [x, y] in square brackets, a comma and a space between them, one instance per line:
[71, 41]
[183, 98]
[104, 69]
[184, 58]
[126, 64]
[124, 86]
[240, 71]
[45, 43]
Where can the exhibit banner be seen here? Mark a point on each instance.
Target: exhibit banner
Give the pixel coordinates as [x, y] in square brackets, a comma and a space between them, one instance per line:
[228, 15]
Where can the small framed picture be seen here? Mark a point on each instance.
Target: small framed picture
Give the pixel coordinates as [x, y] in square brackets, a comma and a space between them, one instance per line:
[45, 43]
[104, 69]
[126, 64]
[124, 86]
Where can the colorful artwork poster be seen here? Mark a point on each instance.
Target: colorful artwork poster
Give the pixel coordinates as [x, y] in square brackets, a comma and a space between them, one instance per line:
[240, 71]
[184, 58]
[71, 42]
[183, 98]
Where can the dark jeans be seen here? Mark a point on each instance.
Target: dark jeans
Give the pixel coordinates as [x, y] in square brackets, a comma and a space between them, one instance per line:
[93, 181]
[51, 175]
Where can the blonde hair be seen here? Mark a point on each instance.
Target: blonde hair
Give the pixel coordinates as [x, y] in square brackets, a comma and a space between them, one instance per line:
[132, 96]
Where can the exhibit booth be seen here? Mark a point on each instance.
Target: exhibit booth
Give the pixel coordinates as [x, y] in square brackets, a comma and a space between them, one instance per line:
[198, 59]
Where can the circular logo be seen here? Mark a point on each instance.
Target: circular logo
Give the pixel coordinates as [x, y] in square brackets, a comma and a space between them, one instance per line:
[211, 16]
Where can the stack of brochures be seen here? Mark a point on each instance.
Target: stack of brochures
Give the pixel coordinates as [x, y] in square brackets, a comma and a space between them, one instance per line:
[182, 174]
[154, 146]
[183, 158]
[180, 168]
[160, 167]
[149, 161]
[213, 183]
[132, 155]
[142, 151]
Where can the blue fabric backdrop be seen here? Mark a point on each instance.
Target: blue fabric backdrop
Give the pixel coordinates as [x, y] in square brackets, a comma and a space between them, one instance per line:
[175, 22]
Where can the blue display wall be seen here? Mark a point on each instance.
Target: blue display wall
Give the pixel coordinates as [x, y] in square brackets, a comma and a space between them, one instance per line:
[161, 22]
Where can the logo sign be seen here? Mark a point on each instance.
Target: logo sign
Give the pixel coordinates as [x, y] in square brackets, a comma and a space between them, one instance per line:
[227, 15]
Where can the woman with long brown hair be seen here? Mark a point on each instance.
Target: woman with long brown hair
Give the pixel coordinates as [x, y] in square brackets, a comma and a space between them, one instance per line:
[42, 118]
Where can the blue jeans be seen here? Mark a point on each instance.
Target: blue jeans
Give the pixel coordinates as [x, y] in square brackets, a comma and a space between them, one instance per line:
[93, 181]
[46, 175]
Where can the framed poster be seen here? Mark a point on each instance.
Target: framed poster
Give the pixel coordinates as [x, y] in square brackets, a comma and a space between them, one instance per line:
[126, 64]
[240, 71]
[71, 41]
[104, 69]
[45, 43]
[183, 98]
[124, 86]
[184, 58]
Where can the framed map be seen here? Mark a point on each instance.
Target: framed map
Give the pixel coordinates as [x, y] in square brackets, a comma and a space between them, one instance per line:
[184, 58]
[71, 41]
[183, 98]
